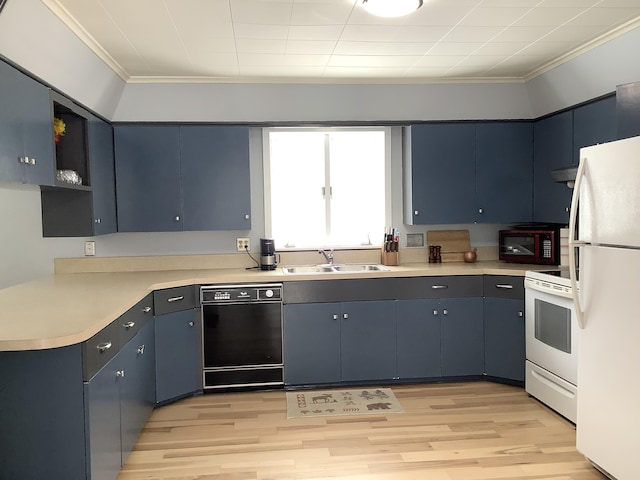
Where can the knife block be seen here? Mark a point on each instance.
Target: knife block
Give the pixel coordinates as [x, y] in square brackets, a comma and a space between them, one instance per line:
[388, 258]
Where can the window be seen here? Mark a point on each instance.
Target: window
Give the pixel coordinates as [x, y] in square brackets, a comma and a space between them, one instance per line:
[326, 187]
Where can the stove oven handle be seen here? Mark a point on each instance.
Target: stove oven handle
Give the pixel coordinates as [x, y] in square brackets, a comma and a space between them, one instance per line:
[575, 244]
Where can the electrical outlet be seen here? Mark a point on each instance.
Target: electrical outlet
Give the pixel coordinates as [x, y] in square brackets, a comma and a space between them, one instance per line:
[243, 243]
[89, 248]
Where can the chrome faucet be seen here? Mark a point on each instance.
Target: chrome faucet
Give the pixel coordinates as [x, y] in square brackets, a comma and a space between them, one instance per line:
[328, 256]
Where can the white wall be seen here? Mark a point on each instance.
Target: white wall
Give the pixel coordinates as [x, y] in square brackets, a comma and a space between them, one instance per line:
[320, 102]
[24, 254]
[34, 38]
[591, 75]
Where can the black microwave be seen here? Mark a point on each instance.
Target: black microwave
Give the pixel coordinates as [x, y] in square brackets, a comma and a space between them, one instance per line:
[536, 246]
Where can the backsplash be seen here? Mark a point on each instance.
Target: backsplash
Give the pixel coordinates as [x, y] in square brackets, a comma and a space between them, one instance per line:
[238, 260]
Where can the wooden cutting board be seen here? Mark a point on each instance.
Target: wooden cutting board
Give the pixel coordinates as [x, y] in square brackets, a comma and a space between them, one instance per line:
[453, 242]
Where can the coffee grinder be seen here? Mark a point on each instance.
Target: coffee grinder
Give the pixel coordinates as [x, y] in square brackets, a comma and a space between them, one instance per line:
[268, 257]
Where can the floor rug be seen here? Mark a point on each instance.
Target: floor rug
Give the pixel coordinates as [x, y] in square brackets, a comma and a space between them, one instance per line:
[321, 403]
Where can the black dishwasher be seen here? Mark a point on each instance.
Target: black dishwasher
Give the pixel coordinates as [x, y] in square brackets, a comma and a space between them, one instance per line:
[242, 336]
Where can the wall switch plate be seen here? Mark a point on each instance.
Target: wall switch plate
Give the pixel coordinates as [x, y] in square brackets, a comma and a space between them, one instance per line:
[243, 243]
[89, 248]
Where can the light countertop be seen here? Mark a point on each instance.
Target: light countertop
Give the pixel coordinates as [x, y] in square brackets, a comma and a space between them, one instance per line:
[69, 308]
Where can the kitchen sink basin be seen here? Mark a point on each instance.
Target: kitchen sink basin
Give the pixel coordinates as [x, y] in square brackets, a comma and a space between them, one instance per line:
[337, 268]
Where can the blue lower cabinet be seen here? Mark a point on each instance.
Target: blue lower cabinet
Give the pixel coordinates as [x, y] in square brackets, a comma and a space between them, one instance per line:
[326, 343]
[504, 340]
[177, 356]
[118, 401]
[311, 343]
[368, 340]
[462, 339]
[102, 407]
[418, 338]
[42, 423]
[138, 388]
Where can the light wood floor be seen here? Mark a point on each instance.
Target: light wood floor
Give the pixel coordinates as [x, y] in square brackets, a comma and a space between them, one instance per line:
[463, 431]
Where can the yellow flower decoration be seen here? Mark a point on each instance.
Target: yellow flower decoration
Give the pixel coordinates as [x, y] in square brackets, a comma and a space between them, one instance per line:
[59, 127]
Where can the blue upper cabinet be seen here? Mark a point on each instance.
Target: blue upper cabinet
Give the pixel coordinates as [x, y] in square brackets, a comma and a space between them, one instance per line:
[594, 123]
[552, 149]
[148, 178]
[172, 178]
[101, 164]
[214, 164]
[468, 172]
[440, 162]
[628, 110]
[26, 136]
[504, 166]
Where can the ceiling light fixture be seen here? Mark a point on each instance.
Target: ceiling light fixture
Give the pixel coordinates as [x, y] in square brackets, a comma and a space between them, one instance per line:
[390, 8]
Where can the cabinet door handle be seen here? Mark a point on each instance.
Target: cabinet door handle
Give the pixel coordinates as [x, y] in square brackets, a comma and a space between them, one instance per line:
[445, 312]
[246, 217]
[104, 346]
[439, 287]
[345, 315]
[175, 299]
[141, 350]
[520, 313]
[335, 317]
[129, 325]
[481, 211]
[97, 220]
[191, 324]
[120, 373]
[416, 212]
[435, 312]
[146, 309]
[504, 285]
[177, 219]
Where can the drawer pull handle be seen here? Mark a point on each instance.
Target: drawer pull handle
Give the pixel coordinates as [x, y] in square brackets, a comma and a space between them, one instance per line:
[175, 299]
[504, 285]
[141, 350]
[191, 324]
[439, 287]
[103, 347]
[120, 373]
[129, 325]
[146, 309]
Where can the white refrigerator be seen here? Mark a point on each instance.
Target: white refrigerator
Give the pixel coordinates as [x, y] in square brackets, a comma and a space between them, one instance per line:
[605, 230]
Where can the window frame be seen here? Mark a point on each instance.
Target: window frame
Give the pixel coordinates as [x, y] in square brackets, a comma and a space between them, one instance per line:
[266, 165]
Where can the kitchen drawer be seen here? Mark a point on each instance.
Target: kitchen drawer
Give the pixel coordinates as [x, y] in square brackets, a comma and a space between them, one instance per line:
[450, 286]
[130, 322]
[99, 349]
[174, 299]
[504, 286]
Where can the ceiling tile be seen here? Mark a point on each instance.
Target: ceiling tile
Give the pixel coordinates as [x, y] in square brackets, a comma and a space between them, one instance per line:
[261, 12]
[315, 32]
[472, 34]
[548, 16]
[603, 17]
[373, 60]
[310, 47]
[245, 30]
[455, 48]
[385, 33]
[487, 17]
[382, 48]
[262, 45]
[306, 60]
[315, 13]
[522, 34]
[363, 72]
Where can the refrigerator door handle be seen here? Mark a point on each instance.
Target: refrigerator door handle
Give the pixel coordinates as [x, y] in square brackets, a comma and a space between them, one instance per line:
[574, 244]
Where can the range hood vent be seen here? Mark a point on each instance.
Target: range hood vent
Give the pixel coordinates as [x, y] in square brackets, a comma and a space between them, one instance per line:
[565, 175]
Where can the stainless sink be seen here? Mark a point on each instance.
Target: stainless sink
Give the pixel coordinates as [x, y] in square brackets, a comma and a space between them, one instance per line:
[337, 268]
